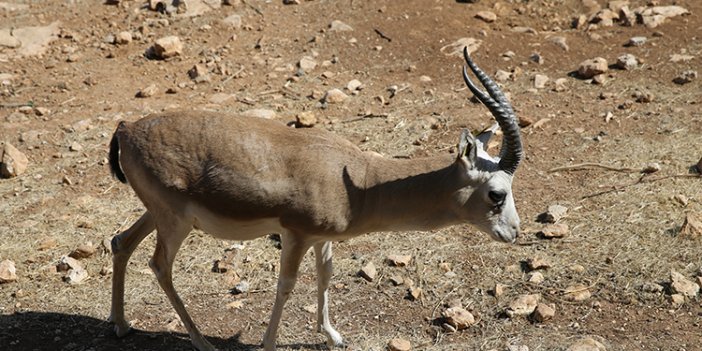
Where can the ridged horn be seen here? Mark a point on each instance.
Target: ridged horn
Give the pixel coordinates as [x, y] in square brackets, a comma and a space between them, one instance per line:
[511, 151]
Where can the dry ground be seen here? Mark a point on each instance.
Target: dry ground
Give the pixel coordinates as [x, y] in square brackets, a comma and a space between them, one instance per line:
[623, 239]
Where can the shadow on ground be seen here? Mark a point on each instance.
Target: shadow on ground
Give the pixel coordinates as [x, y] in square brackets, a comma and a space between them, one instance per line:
[57, 331]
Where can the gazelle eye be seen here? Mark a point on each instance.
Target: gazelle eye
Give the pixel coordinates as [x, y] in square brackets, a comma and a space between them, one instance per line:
[498, 197]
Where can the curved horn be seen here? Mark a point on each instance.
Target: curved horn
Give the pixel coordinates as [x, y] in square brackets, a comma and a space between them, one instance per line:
[511, 151]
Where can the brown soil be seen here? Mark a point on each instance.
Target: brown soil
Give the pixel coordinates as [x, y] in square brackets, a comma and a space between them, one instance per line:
[623, 237]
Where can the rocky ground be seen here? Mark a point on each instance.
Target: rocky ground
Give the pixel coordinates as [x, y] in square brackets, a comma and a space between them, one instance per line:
[608, 96]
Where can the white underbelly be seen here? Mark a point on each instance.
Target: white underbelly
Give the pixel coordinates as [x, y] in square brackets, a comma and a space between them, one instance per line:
[233, 229]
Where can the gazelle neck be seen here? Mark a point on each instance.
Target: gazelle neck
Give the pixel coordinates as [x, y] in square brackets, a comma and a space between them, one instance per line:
[410, 194]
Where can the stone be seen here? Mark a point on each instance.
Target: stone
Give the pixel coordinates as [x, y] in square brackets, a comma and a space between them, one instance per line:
[397, 280]
[338, 26]
[543, 313]
[399, 344]
[399, 260]
[502, 76]
[677, 299]
[577, 292]
[241, 287]
[46, 244]
[368, 272]
[487, 16]
[681, 285]
[415, 293]
[8, 272]
[35, 40]
[604, 18]
[540, 81]
[535, 278]
[553, 214]
[536, 263]
[685, 77]
[354, 85]
[76, 276]
[75, 146]
[83, 251]
[7, 40]
[699, 166]
[523, 305]
[560, 42]
[232, 21]
[652, 167]
[166, 47]
[590, 68]
[12, 162]
[305, 119]
[334, 96]
[307, 64]
[587, 344]
[499, 290]
[456, 48]
[199, 74]
[553, 231]
[67, 263]
[627, 62]
[636, 41]
[259, 113]
[458, 318]
[123, 38]
[560, 85]
[681, 58]
[627, 17]
[149, 91]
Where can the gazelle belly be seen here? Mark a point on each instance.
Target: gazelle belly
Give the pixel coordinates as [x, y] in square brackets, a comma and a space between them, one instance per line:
[233, 229]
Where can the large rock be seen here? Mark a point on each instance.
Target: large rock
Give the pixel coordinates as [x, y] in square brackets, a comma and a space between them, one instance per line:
[338, 26]
[523, 305]
[368, 272]
[36, 40]
[692, 226]
[8, 273]
[166, 47]
[592, 67]
[681, 285]
[458, 318]
[399, 344]
[587, 344]
[12, 161]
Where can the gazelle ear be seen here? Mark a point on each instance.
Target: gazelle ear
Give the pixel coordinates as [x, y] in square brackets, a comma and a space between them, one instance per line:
[466, 147]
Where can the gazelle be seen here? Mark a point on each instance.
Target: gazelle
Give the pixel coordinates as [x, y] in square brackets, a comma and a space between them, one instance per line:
[241, 178]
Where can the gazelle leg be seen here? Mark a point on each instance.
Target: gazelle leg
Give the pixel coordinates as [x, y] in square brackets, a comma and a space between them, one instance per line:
[323, 256]
[123, 246]
[290, 258]
[170, 236]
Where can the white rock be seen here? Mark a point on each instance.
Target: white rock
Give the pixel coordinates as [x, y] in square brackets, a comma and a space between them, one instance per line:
[232, 21]
[636, 41]
[553, 214]
[123, 38]
[540, 81]
[7, 40]
[334, 96]
[627, 62]
[560, 42]
[577, 292]
[399, 344]
[592, 67]
[76, 276]
[557, 230]
[587, 344]
[338, 26]
[259, 113]
[456, 48]
[487, 16]
[368, 272]
[149, 91]
[354, 85]
[8, 272]
[399, 260]
[167, 47]
[536, 277]
[307, 64]
[502, 76]
[685, 77]
[305, 119]
[12, 162]
[681, 285]
[523, 305]
[458, 318]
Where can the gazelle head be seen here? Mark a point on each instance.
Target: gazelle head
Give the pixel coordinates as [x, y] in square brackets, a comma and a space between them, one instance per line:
[488, 202]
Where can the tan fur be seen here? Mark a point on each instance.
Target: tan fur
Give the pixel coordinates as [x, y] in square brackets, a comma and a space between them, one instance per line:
[239, 178]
